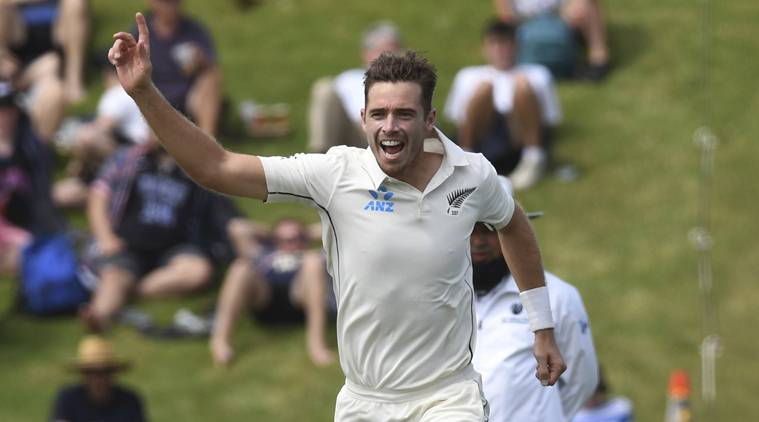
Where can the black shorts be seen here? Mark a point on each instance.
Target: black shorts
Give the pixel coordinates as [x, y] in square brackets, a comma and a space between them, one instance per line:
[280, 310]
[499, 148]
[140, 263]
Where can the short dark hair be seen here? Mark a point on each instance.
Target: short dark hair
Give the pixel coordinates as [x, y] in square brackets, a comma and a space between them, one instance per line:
[499, 29]
[403, 67]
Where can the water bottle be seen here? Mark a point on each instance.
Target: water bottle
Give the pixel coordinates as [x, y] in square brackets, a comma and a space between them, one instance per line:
[678, 398]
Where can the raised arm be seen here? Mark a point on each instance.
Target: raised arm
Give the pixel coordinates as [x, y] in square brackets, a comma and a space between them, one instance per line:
[520, 249]
[204, 159]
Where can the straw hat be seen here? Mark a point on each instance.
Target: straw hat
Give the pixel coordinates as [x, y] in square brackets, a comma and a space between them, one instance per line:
[96, 353]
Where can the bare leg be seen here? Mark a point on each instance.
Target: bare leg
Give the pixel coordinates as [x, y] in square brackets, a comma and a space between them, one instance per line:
[12, 30]
[309, 290]
[71, 29]
[525, 123]
[242, 289]
[524, 119]
[12, 241]
[478, 117]
[184, 273]
[70, 192]
[586, 17]
[109, 298]
[49, 99]
[204, 99]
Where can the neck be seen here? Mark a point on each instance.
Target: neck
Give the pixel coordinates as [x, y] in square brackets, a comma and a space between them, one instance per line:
[422, 171]
[165, 27]
[99, 395]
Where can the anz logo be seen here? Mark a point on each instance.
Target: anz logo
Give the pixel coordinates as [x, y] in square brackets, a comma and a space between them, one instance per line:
[381, 201]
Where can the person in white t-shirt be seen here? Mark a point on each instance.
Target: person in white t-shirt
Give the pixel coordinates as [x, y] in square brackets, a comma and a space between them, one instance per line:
[117, 121]
[336, 103]
[504, 348]
[505, 111]
[396, 221]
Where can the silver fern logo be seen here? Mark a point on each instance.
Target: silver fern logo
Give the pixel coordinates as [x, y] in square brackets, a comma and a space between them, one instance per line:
[456, 200]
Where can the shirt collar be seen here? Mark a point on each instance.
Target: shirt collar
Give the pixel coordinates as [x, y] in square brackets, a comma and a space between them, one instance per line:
[505, 287]
[453, 156]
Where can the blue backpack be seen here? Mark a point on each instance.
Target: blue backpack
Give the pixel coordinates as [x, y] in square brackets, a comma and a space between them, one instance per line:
[49, 278]
[547, 40]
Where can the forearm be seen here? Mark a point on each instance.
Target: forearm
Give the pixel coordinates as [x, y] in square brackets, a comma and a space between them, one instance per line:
[521, 251]
[204, 159]
[97, 215]
[192, 148]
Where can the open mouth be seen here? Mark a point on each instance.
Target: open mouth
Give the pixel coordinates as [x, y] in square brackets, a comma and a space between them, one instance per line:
[391, 147]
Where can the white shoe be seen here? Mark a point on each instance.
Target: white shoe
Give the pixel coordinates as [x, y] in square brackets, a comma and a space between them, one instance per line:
[528, 172]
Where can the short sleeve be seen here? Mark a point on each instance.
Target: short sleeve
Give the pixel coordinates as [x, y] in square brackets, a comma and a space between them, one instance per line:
[306, 178]
[497, 204]
[110, 172]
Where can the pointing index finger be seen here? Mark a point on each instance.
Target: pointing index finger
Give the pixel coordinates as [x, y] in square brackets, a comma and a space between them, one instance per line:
[142, 28]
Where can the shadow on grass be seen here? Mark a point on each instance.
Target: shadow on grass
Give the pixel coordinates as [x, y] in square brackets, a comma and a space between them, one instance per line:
[627, 42]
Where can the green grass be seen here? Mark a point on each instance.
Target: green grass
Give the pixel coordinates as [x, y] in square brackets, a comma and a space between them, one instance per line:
[620, 232]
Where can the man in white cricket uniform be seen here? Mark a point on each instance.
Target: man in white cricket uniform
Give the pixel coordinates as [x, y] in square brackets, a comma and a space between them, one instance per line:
[504, 347]
[397, 217]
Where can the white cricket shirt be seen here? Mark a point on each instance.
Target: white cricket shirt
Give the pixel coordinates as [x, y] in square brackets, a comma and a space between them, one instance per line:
[399, 259]
[504, 355]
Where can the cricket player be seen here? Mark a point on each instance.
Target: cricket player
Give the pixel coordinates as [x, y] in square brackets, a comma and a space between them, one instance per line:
[396, 220]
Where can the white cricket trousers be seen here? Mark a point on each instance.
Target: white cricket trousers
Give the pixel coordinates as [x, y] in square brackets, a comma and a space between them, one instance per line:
[459, 402]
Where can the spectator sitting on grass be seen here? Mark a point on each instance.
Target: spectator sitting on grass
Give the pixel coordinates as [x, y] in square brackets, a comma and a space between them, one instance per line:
[505, 111]
[143, 211]
[33, 34]
[184, 63]
[118, 121]
[581, 16]
[98, 397]
[26, 208]
[285, 284]
[336, 103]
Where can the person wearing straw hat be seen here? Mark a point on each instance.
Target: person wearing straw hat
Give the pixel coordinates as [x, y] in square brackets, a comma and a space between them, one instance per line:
[98, 397]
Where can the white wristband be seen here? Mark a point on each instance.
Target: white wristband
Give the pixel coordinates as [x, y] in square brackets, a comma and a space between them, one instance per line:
[538, 307]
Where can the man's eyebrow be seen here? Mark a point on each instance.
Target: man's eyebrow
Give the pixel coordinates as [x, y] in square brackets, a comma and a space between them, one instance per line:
[397, 110]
